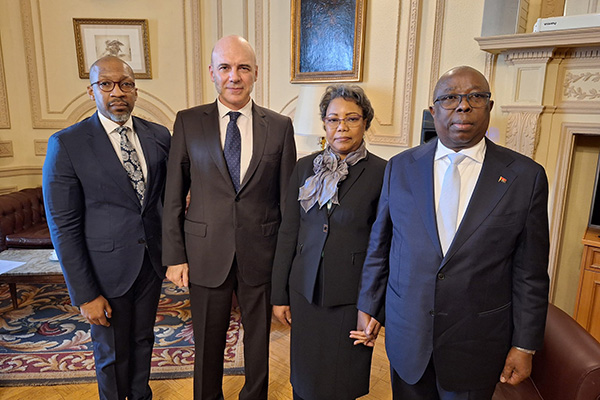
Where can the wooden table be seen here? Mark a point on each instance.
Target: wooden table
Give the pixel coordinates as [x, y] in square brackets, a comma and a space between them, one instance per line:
[37, 269]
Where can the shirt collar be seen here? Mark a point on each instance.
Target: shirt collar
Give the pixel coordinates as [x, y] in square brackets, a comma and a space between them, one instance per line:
[223, 109]
[110, 125]
[476, 153]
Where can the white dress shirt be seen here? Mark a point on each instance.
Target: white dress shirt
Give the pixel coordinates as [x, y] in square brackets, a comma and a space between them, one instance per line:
[469, 170]
[244, 123]
[115, 139]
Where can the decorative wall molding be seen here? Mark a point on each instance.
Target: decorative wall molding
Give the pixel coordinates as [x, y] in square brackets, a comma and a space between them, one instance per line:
[39, 147]
[8, 189]
[196, 52]
[559, 189]
[20, 171]
[6, 148]
[438, 29]
[4, 111]
[73, 110]
[523, 128]
[582, 86]
[401, 138]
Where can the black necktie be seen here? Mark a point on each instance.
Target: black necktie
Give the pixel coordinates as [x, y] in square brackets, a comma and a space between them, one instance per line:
[233, 149]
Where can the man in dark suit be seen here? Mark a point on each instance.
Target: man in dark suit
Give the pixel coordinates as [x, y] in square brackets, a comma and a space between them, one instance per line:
[235, 159]
[103, 180]
[459, 258]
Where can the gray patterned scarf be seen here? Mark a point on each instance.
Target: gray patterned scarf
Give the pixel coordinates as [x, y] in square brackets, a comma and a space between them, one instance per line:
[329, 170]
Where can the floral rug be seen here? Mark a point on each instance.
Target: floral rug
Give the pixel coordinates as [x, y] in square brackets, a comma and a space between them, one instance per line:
[46, 341]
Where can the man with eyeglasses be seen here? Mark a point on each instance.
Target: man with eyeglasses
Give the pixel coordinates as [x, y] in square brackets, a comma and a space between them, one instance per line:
[103, 182]
[459, 255]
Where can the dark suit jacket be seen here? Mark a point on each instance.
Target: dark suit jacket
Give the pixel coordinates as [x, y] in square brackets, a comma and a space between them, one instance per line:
[490, 290]
[98, 227]
[339, 236]
[219, 223]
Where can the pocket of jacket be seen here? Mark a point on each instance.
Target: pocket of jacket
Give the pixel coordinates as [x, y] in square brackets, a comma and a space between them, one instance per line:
[495, 310]
[194, 228]
[358, 258]
[96, 244]
[270, 229]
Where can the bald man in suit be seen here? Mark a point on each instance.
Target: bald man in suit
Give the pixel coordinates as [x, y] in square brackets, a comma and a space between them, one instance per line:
[225, 242]
[465, 297]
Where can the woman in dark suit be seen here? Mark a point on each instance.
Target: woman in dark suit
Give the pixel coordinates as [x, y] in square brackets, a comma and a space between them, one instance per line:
[330, 207]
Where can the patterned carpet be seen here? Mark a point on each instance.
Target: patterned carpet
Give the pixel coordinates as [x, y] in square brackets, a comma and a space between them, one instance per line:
[46, 341]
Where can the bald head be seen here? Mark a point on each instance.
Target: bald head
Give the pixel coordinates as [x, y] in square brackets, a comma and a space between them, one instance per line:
[233, 70]
[463, 70]
[229, 42]
[462, 123]
[105, 62]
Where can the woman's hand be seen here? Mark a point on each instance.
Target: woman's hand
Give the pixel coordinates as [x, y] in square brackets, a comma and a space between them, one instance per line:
[367, 329]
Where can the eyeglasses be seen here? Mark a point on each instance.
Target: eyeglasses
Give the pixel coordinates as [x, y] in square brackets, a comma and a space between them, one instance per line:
[108, 86]
[351, 122]
[475, 100]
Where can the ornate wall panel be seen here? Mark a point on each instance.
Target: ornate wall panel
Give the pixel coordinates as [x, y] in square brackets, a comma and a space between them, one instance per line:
[398, 103]
[4, 112]
[50, 112]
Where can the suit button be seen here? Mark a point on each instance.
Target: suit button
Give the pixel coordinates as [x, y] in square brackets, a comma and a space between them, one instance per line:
[441, 276]
[142, 241]
[325, 228]
[237, 198]
[432, 313]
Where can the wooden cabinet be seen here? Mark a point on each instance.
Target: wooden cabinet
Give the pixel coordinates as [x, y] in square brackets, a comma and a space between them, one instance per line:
[587, 308]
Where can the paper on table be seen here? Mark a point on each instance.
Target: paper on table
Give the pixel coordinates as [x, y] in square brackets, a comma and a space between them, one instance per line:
[6, 266]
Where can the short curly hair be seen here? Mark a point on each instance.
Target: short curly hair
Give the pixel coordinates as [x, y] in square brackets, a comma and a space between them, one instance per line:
[352, 93]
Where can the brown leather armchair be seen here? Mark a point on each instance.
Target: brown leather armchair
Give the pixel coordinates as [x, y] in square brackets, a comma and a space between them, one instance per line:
[23, 220]
[567, 368]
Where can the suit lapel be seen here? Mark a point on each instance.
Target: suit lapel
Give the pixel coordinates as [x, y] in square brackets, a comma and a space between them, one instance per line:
[260, 129]
[148, 143]
[488, 192]
[108, 159]
[421, 183]
[354, 173]
[212, 136]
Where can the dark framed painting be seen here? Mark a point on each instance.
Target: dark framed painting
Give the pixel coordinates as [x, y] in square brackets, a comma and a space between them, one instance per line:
[327, 40]
[123, 38]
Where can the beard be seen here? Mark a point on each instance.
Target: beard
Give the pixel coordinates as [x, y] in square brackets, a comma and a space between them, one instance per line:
[118, 118]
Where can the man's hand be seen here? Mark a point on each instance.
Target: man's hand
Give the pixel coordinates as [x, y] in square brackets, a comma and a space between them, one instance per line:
[517, 367]
[178, 274]
[367, 329]
[283, 314]
[97, 311]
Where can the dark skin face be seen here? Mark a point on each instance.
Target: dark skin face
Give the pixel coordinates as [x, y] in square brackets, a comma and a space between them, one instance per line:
[463, 126]
[115, 105]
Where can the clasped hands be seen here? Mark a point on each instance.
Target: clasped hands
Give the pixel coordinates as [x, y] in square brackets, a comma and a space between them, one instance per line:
[367, 329]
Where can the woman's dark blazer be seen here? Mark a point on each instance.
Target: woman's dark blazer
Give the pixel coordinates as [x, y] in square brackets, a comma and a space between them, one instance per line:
[339, 236]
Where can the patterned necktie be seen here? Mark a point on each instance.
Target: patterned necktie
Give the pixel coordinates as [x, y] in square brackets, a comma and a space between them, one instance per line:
[131, 162]
[447, 214]
[233, 149]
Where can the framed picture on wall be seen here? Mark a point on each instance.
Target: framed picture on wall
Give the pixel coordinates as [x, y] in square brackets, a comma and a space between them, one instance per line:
[123, 38]
[327, 40]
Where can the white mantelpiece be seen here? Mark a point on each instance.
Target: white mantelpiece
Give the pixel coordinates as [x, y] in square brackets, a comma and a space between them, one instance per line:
[551, 86]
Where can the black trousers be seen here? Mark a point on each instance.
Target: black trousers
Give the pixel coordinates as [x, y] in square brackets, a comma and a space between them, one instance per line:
[211, 310]
[123, 350]
[428, 388]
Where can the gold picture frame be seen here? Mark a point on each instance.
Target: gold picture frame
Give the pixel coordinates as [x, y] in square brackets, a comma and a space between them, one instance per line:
[124, 38]
[327, 40]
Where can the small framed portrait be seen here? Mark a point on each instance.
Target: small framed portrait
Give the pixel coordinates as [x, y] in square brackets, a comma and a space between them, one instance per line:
[123, 38]
[327, 40]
